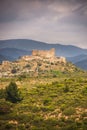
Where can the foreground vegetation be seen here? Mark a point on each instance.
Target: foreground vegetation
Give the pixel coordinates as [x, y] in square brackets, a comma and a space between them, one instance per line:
[48, 103]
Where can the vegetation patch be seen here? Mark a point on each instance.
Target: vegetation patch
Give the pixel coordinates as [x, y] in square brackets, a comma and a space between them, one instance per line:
[44, 103]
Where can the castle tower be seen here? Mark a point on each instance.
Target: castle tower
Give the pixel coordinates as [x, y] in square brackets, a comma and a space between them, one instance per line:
[44, 53]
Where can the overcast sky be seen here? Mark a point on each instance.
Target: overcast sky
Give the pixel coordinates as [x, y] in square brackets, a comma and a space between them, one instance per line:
[52, 21]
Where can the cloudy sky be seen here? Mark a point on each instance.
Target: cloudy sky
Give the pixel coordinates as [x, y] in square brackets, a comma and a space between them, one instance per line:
[52, 21]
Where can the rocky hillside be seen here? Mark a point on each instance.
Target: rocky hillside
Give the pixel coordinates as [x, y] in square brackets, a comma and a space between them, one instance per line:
[36, 65]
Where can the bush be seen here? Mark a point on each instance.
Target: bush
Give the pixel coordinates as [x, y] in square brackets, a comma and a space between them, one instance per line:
[9, 126]
[47, 101]
[84, 91]
[13, 71]
[66, 89]
[2, 93]
[12, 93]
[5, 107]
[69, 111]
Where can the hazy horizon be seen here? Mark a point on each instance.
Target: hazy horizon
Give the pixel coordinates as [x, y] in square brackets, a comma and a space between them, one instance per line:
[58, 21]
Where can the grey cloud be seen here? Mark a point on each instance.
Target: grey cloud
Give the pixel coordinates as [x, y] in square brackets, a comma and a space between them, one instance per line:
[46, 20]
[11, 10]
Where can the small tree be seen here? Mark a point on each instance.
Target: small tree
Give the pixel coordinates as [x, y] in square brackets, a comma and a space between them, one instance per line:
[12, 93]
[66, 89]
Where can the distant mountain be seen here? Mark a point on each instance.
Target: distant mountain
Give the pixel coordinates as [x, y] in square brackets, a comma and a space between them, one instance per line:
[80, 61]
[77, 58]
[2, 58]
[29, 45]
[82, 64]
[13, 53]
[22, 44]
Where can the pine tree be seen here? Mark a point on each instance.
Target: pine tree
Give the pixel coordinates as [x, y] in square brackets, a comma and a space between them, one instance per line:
[12, 93]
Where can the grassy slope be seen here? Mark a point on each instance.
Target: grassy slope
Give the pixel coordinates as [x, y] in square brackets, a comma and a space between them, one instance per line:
[49, 103]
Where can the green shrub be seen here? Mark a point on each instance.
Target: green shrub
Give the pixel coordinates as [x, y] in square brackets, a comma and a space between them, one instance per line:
[47, 101]
[13, 71]
[12, 93]
[21, 127]
[84, 91]
[37, 120]
[2, 93]
[63, 107]
[70, 127]
[69, 111]
[47, 108]
[9, 127]
[66, 89]
[84, 114]
[35, 109]
[5, 107]
[39, 64]
[28, 66]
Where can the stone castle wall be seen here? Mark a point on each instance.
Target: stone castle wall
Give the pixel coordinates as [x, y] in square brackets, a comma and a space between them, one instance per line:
[44, 53]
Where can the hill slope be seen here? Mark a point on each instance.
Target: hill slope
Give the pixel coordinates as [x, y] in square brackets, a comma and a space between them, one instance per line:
[35, 65]
[48, 104]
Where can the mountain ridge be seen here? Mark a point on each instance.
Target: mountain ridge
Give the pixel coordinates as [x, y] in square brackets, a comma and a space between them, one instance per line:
[79, 61]
[13, 53]
[15, 48]
[27, 45]
[82, 64]
[35, 41]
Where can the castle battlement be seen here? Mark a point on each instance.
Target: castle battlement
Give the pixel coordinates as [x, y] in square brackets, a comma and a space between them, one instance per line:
[44, 53]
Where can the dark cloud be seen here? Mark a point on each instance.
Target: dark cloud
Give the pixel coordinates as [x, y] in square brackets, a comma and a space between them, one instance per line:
[55, 18]
[11, 10]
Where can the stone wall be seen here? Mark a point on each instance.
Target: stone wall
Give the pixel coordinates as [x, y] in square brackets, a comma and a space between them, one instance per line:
[63, 59]
[44, 53]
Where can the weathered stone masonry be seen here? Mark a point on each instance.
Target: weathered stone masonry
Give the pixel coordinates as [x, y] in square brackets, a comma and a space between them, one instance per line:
[44, 53]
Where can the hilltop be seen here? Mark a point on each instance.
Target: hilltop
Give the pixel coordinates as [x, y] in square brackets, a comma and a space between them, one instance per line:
[41, 62]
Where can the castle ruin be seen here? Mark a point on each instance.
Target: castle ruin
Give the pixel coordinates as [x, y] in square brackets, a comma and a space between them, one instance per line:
[44, 53]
